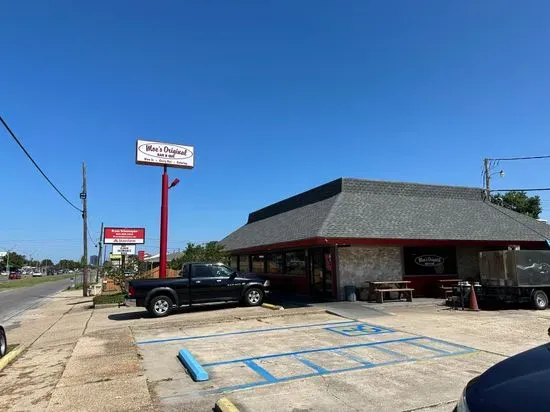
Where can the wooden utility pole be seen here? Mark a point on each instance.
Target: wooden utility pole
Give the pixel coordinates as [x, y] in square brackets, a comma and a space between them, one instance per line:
[83, 196]
[487, 178]
[99, 255]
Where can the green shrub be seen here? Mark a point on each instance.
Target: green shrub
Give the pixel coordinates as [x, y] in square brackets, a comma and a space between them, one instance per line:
[108, 298]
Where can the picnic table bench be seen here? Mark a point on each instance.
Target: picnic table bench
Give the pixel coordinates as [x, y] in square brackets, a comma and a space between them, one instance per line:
[446, 286]
[387, 286]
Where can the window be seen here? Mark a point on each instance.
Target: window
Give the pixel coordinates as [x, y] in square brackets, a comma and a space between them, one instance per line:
[235, 262]
[202, 271]
[430, 260]
[258, 263]
[296, 262]
[275, 263]
[243, 263]
[221, 271]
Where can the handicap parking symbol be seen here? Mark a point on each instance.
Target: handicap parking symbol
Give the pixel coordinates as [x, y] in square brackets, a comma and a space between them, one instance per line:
[359, 329]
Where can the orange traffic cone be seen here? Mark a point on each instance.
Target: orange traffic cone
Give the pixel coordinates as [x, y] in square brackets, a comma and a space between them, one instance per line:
[473, 299]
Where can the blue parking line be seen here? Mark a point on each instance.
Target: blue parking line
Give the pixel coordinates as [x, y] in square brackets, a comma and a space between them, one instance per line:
[319, 371]
[260, 371]
[361, 329]
[311, 365]
[214, 335]
[390, 352]
[420, 345]
[352, 357]
[278, 355]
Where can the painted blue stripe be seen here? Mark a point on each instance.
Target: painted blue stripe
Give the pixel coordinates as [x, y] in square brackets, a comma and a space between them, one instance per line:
[423, 346]
[352, 357]
[260, 371]
[463, 350]
[214, 335]
[456, 345]
[278, 355]
[195, 369]
[311, 365]
[390, 352]
[286, 379]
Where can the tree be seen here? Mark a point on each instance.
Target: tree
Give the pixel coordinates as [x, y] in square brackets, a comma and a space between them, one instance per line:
[46, 262]
[209, 252]
[520, 202]
[16, 260]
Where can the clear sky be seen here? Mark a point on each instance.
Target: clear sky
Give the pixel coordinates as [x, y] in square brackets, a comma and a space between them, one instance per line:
[276, 96]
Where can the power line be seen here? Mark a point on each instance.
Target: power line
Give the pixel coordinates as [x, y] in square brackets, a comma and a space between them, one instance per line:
[542, 189]
[36, 165]
[91, 238]
[519, 158]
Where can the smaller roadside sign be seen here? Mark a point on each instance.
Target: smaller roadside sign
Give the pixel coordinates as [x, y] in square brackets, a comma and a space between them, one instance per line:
[123, 235]
[112, 256]
[124, 249]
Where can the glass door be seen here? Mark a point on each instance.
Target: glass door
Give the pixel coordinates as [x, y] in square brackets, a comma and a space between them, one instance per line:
[320, 272]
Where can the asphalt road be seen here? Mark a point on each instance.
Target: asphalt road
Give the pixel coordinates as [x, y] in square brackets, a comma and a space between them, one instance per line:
[14, 302]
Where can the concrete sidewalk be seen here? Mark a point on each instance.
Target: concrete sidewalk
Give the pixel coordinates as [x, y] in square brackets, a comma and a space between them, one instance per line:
[65, 369]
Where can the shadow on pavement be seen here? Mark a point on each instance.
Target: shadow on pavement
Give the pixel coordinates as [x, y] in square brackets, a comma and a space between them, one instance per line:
[181, 311]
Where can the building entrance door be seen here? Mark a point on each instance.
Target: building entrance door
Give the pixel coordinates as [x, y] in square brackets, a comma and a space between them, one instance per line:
[320, 261]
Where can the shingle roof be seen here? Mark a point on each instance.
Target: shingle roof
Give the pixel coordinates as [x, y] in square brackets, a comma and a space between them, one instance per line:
[367, 209]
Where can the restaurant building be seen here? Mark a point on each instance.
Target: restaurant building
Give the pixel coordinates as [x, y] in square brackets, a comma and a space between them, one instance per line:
[351, 231]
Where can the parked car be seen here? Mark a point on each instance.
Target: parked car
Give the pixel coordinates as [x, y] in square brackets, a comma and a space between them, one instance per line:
[197, 283]
[14, 274]
[3, 342]
[37, 274]
[518, 383]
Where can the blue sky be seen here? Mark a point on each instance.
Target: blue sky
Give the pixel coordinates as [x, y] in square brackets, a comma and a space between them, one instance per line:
[276, 97]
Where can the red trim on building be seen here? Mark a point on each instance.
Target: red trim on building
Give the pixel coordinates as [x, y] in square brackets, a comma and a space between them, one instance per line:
[334, 241]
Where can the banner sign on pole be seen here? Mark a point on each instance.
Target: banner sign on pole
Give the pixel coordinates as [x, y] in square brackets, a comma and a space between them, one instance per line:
[123, 235]
[160, 154]
[124, 249]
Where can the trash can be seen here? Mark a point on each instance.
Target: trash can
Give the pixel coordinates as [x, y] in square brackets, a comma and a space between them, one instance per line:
[349, 291]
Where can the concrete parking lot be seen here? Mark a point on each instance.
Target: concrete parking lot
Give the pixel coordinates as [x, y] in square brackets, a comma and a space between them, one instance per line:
[413, 358]
[390, 357]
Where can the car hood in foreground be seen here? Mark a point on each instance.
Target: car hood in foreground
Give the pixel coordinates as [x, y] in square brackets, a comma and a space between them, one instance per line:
[517, 383]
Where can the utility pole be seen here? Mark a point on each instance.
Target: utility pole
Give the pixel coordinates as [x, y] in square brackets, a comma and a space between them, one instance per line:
[487, 178]
[83, 196]
[99, 255]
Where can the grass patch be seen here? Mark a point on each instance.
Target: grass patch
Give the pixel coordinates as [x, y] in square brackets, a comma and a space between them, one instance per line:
[24, 282]
[109, 298]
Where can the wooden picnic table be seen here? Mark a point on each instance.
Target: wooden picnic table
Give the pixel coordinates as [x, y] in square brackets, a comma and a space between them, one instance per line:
[378, 288]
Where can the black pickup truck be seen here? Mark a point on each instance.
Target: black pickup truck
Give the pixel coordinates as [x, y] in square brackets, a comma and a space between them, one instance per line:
[197, 283]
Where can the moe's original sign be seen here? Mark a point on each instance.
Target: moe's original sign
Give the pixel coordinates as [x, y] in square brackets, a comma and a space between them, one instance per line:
[429, 260]
[160, 154]
[124, 235]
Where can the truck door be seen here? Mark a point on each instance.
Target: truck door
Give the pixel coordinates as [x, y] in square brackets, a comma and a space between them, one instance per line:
[210, 283]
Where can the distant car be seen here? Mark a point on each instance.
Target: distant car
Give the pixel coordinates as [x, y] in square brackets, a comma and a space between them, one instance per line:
[37, 274]
[14, 274]
[518, 383]
[3, 342]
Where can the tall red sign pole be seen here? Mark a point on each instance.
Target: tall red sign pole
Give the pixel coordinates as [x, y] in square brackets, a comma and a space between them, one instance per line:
[163, 225]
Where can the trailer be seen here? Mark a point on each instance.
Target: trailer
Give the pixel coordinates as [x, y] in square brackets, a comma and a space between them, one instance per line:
[515, 276]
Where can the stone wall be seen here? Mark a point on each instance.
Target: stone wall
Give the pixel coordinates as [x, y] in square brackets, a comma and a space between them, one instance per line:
[467, 261]
[358, 264]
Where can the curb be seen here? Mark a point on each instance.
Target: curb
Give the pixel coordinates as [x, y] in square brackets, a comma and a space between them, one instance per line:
[225, 405]
[272, 307]
[11, 356]
[106, 305]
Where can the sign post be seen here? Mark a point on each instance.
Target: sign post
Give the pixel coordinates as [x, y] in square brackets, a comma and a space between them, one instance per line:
[164, 154]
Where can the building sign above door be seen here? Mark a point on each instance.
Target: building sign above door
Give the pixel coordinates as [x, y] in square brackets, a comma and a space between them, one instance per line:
[429, 260]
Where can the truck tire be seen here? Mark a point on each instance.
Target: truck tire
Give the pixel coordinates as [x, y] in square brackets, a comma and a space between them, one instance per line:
[540, 300]
[160, 306]
[3, 343]
[254, 296]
